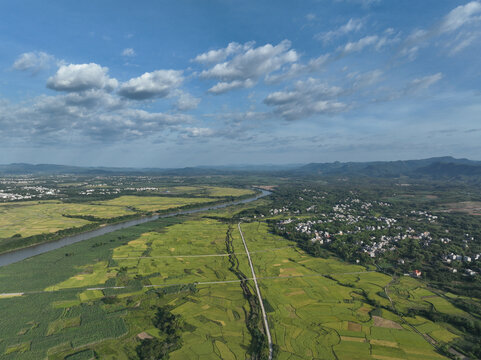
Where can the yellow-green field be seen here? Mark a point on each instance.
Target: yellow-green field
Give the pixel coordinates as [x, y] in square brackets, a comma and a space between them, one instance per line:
[29, 218]
[216, 191]
[151, 203]
[32, 218]
[319, 308]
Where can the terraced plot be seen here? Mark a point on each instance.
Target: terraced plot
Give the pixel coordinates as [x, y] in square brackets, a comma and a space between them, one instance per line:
[319, 307]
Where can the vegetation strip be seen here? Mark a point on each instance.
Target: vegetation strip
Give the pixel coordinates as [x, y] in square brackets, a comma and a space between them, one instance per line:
[266, 324]
[194, 256]
[244, 279]
[252, 320]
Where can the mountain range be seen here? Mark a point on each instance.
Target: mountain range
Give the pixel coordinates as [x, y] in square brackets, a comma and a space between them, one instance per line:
[436, 167]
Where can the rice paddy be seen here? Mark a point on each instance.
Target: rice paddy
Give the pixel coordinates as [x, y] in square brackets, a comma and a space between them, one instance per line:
[99, 299]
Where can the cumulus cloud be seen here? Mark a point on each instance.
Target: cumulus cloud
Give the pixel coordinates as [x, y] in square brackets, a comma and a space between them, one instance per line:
[129, 52]
[218, 55]
[80, 77]
[353, 25]
[196, 132]
[33, 61]
[186, 101]
[296, 69]
[306, 99]
[222, 87]
[156, 84]
[92, 115]
[245, 68]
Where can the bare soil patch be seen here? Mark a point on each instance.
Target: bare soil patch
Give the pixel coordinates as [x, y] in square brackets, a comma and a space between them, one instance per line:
[469, 207]
[385, 323]
[352, 326]
[352, 338]
[143, 335]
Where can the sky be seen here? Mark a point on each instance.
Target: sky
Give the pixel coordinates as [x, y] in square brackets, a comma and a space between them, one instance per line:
[222, 82]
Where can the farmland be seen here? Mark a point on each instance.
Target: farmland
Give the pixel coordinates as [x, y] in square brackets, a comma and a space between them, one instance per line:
[312, 310]
[100, 297]
[24, 223]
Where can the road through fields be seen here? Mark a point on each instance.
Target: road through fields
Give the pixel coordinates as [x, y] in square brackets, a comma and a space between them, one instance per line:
[264, 316]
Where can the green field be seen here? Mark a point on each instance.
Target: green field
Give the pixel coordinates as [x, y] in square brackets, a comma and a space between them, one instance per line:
[321, 308]
[28, 218]
[99, 295]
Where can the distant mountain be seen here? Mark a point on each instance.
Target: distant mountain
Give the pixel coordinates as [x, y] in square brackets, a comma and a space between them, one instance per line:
[52, 169]
[451, 170]
[438, 166]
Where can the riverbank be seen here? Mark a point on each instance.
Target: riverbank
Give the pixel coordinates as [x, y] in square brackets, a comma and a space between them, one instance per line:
[17, 255]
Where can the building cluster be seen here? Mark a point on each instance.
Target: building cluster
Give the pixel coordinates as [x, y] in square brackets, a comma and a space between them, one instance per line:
[430, 217]
[278, 211]
[100, 191]
[7, 196]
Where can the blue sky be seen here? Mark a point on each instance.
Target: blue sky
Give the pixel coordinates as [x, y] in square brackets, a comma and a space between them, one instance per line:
[183, 83]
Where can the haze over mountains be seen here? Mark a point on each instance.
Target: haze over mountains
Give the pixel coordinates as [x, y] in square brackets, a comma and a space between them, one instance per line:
[437, 167]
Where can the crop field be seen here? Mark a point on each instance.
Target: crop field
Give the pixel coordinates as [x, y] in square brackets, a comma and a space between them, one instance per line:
[215, 314]
[214, 191]
[100, 294]
[27, 218]
[31, 218]
[320, 308]
[152, 203]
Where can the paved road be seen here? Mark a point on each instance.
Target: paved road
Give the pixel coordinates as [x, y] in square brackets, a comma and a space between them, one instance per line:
[266, 324]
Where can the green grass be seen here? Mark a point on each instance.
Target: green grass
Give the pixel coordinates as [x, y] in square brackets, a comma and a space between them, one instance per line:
[18, 348]
[61, 324]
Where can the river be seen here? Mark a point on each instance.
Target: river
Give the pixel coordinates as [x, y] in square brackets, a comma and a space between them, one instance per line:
[25, 253]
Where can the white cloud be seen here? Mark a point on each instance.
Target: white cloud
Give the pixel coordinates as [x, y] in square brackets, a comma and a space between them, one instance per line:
[223, 87]
[456, 20]
[461, 15]
[186, 101]
[353, 25]
[196, 132]
[128, 52]
[80, 77]
[245, 68]
[462, 41]
[306, 99]
[424, 82]
[33, 61]
[359, 45]
[297, 69]
[214, 56]
[156, 84]
[88, 116]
